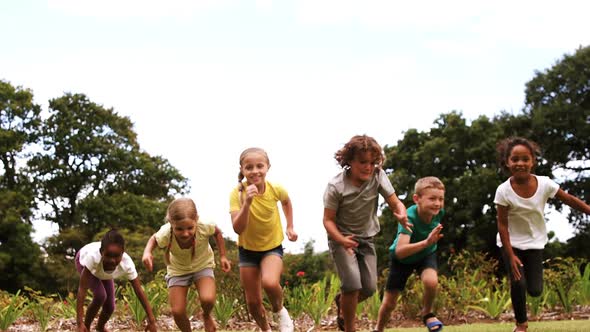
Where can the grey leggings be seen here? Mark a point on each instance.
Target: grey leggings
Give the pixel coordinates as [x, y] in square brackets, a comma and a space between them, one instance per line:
[531, 280]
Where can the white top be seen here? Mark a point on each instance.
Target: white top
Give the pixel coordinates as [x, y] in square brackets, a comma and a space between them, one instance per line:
[526, 220]
[91, 259]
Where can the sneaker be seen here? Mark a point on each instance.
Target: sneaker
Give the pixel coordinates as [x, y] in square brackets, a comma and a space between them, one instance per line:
[285, 321]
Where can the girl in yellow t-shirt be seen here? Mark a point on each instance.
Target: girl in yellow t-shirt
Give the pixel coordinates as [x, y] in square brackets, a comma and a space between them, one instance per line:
[256, 220]
[189, 259]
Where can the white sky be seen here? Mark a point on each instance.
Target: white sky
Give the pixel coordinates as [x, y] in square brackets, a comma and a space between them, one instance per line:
[202, 80]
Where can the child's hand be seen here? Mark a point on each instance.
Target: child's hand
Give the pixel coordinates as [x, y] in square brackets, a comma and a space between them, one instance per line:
[402, 217]
[148, 261]
[349, 243]
[225, 264]
[151, 327]
[251, 191]
[515, 265]
[82, 328]
[434, 235]
[291, 235]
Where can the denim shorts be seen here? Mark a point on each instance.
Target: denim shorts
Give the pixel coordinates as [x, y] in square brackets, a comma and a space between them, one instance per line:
[189, 279]
[400, 272]
[253, 258]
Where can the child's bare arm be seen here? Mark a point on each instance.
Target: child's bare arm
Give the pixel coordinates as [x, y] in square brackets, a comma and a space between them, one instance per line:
[573, 201]
[288, 211]
[515, 263]
[404, 248]
[348, 241]
[399, 211]
[220, 242]
[151, 325]
[148, 258]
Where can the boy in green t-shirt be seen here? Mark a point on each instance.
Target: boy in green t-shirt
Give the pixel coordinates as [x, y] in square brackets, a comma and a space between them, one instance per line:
[417, 251]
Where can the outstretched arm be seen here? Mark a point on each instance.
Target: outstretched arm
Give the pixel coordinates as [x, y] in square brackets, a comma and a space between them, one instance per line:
[288, 211]
[573, 201]
[220, 242]
[148, 258]
[151, 325]
[399, 211]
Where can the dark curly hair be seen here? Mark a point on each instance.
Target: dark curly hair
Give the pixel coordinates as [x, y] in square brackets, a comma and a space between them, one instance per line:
[505, 146]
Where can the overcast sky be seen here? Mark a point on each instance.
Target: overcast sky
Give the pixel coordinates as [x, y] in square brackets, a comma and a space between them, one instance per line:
[203, 80]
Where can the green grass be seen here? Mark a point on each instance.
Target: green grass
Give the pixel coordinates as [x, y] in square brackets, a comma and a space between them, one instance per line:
[561, 326]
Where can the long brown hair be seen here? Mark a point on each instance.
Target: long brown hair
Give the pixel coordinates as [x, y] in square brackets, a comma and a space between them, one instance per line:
[180, 209]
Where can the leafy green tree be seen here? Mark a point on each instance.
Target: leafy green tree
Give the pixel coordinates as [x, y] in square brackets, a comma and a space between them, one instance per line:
[558, 103]
[19, 255]
[92, 175]
[91, 159]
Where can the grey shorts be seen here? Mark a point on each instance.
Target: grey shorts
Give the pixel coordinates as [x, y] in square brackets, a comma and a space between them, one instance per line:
[189, 279]
[357, 271]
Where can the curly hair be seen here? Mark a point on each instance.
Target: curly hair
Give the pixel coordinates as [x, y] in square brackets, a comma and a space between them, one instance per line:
[359, 144]
[505, 146]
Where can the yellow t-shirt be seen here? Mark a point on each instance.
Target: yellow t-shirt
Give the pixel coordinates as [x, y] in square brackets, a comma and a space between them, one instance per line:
[264, 230]
[183, 261]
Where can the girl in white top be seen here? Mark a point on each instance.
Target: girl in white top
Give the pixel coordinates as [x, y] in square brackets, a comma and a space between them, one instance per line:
[189, 260]
[522, 235]
[98, 264]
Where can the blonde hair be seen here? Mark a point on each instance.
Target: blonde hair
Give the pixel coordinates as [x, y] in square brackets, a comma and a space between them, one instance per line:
[178, 210]
[428, 183]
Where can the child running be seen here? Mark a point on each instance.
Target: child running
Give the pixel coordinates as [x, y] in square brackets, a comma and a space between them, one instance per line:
[350, 219]
[522, 235]
[98, 263]
[417, 251]
[189, 260]
[256, 219]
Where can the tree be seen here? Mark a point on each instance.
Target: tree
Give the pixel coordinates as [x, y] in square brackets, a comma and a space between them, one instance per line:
[558, 102]
[93, 176]
[19, 255]
[92, 158]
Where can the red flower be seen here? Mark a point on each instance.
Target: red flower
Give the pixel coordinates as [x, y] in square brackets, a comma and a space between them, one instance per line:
[301, 274]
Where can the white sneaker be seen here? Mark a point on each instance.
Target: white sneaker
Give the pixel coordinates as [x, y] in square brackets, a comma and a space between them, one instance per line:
[285, 321]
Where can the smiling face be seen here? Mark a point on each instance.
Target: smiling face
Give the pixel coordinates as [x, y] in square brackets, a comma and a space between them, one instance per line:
[254, 166]
[362, 167]
[112, 255]
[520, 161]
[430, 201]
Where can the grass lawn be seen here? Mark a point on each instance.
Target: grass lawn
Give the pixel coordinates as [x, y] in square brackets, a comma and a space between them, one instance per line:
[562, 325]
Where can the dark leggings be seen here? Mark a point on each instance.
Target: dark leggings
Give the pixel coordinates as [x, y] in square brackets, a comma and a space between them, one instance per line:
[103, 291]
[531, 280]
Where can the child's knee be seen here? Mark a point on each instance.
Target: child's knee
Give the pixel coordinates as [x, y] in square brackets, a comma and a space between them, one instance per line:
[207, 303]
[368, 291]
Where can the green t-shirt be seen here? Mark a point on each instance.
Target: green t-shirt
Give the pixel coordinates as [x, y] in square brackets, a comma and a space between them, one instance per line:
[420, 232]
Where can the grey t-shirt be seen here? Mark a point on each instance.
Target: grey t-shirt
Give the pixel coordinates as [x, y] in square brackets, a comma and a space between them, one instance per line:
[356, 207]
